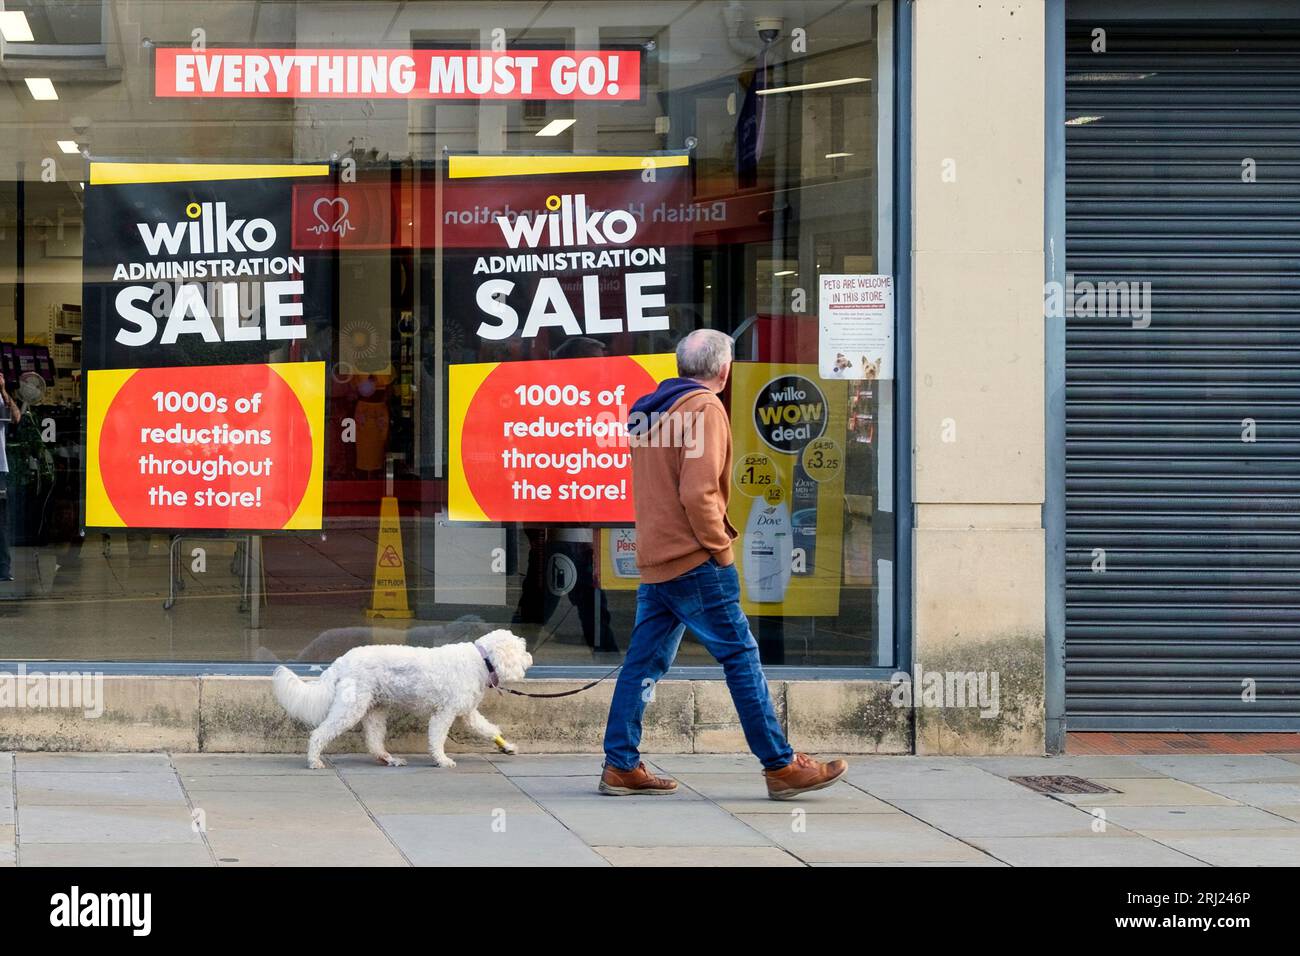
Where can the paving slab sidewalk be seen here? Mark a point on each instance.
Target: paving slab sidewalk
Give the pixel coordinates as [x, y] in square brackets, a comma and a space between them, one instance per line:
[92, 809]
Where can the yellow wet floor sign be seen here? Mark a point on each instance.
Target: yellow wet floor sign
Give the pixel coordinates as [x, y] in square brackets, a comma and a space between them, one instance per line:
[388, 599]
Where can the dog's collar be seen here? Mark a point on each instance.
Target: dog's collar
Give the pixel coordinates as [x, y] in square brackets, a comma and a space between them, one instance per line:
[493, 678]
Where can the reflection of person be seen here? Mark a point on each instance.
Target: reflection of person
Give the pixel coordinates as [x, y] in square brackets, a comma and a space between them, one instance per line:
[580, 346]
[538, 599]
[9, 412]
[689, 578]
[542, 590]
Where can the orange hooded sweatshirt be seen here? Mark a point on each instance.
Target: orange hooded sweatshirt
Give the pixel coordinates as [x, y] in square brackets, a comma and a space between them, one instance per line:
[680, 441]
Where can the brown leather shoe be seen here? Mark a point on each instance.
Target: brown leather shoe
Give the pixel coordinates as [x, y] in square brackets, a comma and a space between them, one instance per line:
[802, 775]
[630, 783]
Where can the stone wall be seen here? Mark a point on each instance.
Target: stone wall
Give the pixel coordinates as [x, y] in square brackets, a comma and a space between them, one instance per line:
[238, 714]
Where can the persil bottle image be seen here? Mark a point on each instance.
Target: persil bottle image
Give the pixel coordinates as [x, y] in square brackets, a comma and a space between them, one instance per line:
[767, 551]
[622, 543]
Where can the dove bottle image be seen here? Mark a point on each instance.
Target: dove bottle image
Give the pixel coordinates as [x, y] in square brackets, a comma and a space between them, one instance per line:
[767, 548]
[803, 518]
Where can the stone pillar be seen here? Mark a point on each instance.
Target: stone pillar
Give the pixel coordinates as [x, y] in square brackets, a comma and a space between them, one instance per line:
[978, 370]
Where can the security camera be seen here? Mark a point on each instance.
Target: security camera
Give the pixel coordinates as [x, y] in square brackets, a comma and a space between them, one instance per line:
[769, 28]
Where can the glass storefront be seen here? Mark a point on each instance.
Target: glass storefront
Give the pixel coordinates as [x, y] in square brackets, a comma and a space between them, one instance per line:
[427, 254]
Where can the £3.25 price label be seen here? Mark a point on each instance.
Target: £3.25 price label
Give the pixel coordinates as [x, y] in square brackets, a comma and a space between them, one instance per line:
[822, 459]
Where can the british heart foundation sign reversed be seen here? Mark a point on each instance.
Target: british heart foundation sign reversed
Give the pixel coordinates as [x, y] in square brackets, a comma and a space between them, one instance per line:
[205, 347]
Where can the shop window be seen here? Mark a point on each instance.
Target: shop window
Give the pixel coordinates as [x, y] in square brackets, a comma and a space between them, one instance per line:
[738, 166]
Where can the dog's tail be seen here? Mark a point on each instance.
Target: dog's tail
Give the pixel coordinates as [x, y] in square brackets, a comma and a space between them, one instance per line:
[306, 702]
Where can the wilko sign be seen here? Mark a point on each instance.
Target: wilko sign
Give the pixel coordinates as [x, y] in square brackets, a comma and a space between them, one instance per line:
[660, 212]
[561, 259]
[399, 74]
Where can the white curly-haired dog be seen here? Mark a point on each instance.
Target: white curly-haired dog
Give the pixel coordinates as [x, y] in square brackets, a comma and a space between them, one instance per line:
[366, 683]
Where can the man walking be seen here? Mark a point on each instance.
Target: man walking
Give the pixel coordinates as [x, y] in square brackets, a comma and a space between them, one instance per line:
[9, 412]
[681, 481]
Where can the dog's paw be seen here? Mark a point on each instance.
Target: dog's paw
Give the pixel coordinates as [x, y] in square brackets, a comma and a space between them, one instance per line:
[506, 747]
[444, 761]
[391, 761]
[316, 765]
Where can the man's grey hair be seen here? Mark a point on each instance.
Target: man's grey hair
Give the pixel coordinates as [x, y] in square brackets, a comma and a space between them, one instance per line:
[703, 353]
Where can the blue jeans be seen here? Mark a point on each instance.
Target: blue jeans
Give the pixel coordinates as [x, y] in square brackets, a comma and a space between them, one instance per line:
[707, 600]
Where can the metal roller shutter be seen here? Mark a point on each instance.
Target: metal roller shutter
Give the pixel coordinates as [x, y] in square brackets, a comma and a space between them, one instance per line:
[1200, 529]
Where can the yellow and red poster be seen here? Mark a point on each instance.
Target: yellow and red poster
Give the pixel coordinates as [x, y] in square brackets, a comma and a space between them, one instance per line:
[546, 441]
[788, 432]
[226, 447]
[563, 283]
[206, 339]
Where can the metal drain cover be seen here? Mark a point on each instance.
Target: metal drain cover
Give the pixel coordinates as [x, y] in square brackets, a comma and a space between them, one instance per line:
[1061, 783]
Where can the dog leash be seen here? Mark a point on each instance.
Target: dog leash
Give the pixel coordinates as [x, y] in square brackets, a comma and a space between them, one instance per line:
[565, 693]
[494, 680]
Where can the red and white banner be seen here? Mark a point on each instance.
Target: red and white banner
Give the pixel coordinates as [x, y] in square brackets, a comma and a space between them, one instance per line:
[398, 74]
[546, 441]
[383, 214]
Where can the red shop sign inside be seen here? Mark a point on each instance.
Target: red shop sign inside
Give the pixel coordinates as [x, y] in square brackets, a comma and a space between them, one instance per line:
[398, 74]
